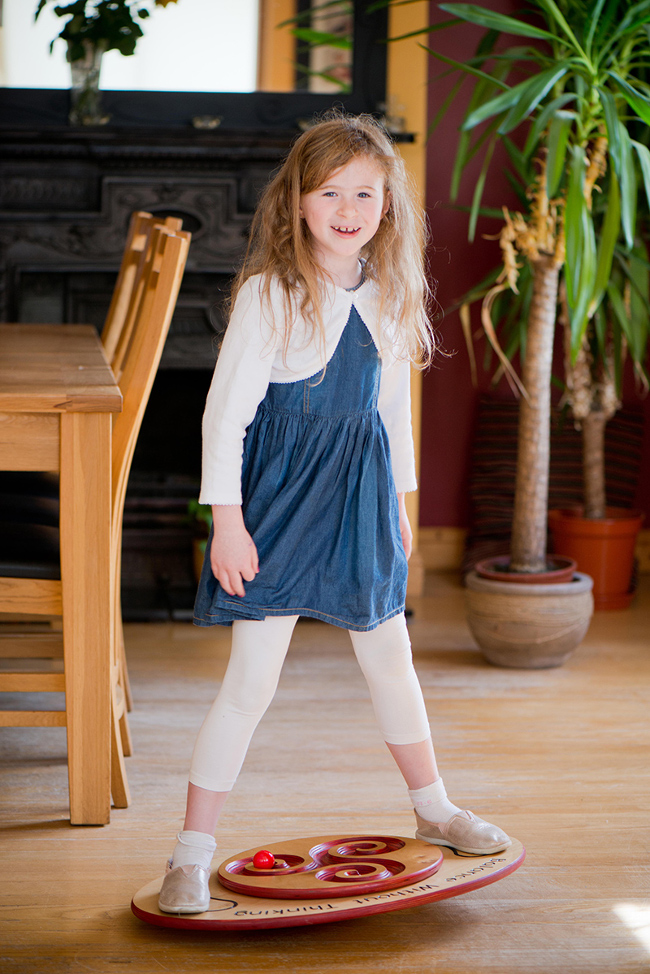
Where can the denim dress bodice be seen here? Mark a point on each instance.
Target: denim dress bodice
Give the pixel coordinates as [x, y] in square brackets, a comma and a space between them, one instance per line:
[348, 385]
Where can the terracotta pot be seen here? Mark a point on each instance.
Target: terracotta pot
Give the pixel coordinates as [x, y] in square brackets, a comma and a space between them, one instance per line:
[497, 569]
[602, 547]
[528, 626]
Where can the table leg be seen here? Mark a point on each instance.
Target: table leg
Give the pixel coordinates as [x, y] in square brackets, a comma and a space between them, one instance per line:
[88, 616]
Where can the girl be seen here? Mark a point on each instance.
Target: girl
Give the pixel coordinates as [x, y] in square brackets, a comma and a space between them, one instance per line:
[308, 454]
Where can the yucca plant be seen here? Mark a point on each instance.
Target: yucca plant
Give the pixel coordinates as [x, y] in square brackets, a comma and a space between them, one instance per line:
[574, 129]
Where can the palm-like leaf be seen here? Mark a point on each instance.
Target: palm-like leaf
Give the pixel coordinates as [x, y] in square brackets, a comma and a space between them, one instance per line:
[581, 86]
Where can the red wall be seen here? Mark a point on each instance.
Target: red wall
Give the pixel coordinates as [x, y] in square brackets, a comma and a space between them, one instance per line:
[449, 399]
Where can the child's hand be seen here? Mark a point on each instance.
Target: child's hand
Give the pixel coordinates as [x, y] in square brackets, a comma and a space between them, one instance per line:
[405, 526]
[233, 555]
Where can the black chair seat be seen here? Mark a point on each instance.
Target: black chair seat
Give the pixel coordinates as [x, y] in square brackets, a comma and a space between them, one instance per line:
[29, 509]
[29, 550]
[29, 524]
[32, 482]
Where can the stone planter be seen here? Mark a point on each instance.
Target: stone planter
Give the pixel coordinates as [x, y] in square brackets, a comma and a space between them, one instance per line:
[559, 570]
[528, 626]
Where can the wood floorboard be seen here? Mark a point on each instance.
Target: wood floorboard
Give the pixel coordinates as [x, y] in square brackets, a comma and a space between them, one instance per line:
[557, 757]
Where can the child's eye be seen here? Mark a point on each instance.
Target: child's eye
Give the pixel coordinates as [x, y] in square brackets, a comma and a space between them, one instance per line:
[329, 192]
[365, 196]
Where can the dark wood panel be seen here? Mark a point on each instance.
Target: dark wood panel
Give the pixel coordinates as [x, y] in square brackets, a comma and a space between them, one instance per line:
[66, 198]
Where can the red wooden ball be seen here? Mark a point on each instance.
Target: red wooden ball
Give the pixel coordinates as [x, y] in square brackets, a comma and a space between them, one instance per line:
[264, 859]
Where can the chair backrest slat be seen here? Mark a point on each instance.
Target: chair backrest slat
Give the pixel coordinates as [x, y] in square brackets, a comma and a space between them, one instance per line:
[133, 303]
[161, 283]
[135, 249]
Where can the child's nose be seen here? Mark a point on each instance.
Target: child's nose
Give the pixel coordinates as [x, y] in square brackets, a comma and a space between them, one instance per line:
[347, 206]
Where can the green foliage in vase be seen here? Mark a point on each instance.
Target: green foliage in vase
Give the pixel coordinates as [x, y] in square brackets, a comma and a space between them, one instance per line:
[112, 25]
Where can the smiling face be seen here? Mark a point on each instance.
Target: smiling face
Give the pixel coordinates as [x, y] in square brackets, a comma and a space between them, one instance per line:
[343, 215]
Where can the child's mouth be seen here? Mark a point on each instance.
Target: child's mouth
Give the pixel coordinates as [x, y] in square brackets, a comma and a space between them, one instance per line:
[347, 231]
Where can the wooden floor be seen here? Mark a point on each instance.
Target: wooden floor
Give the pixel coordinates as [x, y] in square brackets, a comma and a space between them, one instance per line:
[559, 758]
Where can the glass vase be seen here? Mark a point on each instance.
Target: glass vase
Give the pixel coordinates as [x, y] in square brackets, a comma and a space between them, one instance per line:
[85, 96]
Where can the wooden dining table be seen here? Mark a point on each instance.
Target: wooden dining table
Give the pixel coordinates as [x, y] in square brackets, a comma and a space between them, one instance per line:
[57, 399]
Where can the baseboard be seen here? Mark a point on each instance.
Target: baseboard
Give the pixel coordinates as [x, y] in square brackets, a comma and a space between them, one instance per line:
[417, 570]
[442, 549]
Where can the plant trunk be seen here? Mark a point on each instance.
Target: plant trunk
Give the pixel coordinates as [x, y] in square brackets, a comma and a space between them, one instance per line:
[528, 545]
[593, 462]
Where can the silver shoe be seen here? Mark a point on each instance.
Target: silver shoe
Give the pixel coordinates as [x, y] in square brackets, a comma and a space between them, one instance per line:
[185, 889]
[464, 832]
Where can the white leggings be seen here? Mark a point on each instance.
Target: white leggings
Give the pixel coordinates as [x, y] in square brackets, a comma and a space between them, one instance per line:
[258, 652]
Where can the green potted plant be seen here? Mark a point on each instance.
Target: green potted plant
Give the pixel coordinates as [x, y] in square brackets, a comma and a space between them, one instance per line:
[200, 518]
[93, 28]
[581, 85]
[600, 537]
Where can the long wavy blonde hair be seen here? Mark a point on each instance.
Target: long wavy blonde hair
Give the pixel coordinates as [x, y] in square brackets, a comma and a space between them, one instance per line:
[280, 244]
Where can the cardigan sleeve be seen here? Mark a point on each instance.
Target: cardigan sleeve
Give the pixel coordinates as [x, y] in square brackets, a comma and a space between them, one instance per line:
[394, 404]
[241, 378]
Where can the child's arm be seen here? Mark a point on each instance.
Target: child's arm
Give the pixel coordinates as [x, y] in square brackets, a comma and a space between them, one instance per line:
[233, 555]
[239, 384]
[394, 406]
[405, 526]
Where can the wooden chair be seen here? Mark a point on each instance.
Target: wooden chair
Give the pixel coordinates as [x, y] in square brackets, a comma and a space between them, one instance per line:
[116, 336]
[161, 280]
[34, 496]
[139, 364]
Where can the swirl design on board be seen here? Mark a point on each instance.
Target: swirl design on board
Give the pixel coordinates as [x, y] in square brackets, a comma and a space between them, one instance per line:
[341, 865]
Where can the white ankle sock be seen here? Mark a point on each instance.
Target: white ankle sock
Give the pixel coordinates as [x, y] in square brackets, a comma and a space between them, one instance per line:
[432, 803]
[193, 848]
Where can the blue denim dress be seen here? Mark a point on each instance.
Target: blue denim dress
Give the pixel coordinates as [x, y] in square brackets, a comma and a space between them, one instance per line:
[319, 501]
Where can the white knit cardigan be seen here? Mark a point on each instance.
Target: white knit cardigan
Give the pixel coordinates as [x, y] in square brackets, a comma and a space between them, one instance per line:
[251, 356]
